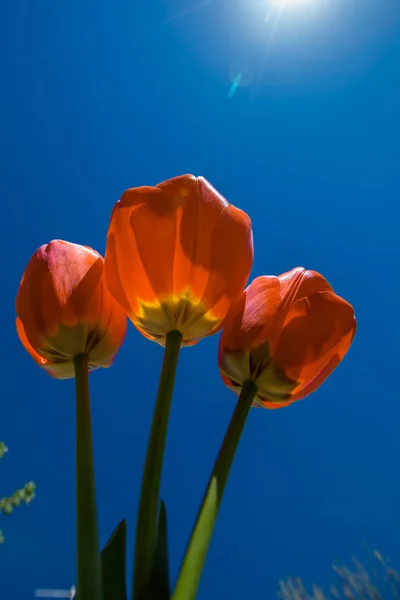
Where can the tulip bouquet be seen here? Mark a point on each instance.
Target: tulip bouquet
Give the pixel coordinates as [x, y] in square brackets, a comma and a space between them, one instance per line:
[281, 338]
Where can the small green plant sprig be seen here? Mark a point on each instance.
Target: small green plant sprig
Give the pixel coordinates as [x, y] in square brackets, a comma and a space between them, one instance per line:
[24, 495]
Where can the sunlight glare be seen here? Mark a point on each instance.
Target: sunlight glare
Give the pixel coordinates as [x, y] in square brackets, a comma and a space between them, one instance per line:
[289, 3]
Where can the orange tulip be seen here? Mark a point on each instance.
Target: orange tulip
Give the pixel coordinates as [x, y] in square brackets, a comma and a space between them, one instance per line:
[177, 256]
[65, 309]
[287, 334]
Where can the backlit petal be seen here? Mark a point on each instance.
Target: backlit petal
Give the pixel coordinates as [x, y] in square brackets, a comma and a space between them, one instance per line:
[318, 332]
[177, 254]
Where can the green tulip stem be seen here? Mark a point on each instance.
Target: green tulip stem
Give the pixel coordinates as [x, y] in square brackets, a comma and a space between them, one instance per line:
[196, 552]
[89, 582]
[147, 522]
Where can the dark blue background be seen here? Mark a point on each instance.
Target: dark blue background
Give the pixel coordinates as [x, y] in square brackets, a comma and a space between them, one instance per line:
[100, 96]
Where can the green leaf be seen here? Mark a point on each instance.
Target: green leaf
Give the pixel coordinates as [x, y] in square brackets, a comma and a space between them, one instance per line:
[159, 580]
[113, 564]
[113, 561]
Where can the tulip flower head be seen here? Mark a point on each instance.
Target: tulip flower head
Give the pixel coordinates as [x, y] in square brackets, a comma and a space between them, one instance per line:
[287, 334]
[177, 256]
[65, 309]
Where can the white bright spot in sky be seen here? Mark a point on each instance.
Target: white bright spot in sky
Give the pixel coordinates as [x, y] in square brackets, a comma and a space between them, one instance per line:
[276, 8]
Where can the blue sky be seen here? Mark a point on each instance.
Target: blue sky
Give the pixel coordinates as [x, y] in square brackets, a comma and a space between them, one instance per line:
[101, 96]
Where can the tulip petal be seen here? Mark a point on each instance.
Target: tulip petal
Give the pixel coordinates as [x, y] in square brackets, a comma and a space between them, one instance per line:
[251, 319]
[65, 272]
[27, 345]
[300, 283]
[316, 330]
